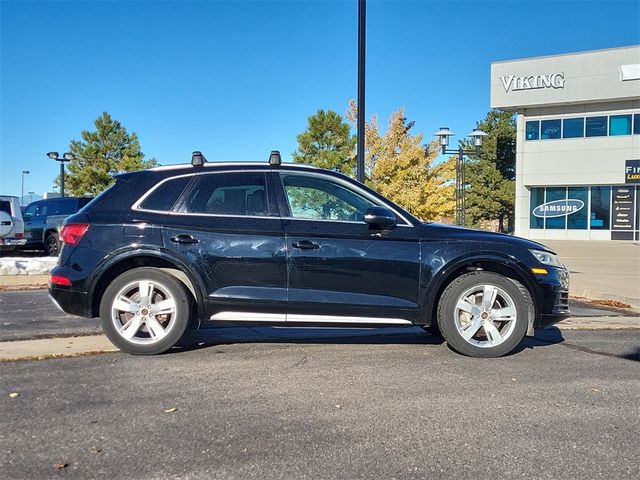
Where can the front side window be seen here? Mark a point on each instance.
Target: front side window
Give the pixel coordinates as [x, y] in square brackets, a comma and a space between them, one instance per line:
[550, 129]
[315, 198]
[241, 194]
[533, 130]
[596, 126]
[620, 125]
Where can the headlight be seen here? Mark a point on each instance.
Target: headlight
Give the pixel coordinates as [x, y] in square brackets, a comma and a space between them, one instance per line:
[547, 258]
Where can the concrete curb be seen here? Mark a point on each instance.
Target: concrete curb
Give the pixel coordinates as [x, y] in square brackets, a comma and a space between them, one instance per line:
[43, 349]
[54, 348]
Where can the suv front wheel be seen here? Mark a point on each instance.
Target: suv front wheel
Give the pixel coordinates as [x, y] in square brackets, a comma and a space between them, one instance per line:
[145, 311]
[483, 314]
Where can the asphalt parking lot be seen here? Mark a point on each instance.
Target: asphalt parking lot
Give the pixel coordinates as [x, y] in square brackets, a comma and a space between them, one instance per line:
[395, 405]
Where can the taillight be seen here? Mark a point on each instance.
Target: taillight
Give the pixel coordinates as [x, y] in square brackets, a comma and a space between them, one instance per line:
[73, 232]
[19, 235]
[60, 280]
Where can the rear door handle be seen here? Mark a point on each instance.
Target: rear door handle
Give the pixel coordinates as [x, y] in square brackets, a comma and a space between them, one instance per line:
[306, 245]
[183, 238]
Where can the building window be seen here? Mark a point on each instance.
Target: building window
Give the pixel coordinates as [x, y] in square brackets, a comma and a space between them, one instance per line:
[537, 199]
[636, 124]
[573, 128]
[578, 220]
[596, 126]
[550, 129]
[556, 223]
[600, 208]
[533, 130]
[620, 125]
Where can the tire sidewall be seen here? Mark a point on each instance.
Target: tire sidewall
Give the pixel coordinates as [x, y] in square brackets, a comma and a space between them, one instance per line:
[449, 300]
[52, 237]
[176, 290]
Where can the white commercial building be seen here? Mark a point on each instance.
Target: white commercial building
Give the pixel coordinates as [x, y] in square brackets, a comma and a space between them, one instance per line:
[578, 143]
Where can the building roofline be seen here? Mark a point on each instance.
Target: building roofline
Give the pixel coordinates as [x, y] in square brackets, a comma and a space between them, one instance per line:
[566, 54]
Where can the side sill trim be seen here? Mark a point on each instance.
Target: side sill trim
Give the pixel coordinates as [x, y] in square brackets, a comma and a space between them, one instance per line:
[281, 317]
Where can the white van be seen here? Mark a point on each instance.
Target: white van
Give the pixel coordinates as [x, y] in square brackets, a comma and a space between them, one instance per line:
[11, 224]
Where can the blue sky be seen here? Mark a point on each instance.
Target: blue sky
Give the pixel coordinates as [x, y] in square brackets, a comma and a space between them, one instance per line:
[237, 79]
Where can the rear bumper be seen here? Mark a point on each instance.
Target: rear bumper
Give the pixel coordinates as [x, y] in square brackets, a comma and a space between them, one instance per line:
[12, 242]
[70, 301]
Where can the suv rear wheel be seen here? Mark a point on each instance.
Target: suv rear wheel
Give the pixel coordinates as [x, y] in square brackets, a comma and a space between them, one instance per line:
[483, 314]
[145, 311]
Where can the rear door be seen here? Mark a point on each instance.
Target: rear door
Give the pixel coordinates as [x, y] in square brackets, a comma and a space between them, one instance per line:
[227, 228]
[339, 269]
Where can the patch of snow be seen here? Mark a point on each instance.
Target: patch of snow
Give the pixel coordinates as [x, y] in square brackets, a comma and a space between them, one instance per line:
[27, 266]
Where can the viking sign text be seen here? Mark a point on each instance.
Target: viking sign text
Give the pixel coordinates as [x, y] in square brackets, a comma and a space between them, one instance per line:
[513, 83]
[558, 208]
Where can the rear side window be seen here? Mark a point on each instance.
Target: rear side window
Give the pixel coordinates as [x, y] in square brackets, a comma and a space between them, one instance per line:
[166, 195]
[243, 194]
[5, 206]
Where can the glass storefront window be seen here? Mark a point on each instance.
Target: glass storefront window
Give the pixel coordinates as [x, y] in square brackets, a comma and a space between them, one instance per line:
[620, 125]
[600, 208]
[556, 193]
[537, 199]
[532, 130]
[550, 129]
[636, 124]
[573, 128]
[596, 126]
[578, 220]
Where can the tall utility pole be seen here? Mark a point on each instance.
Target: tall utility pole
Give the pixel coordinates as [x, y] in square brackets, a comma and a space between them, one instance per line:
[362, 24]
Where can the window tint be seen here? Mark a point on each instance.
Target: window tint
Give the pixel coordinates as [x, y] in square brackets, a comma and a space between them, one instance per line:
[556, 193]
[5, 206]
[600, 208]
[316, 198]
[573, 128]
[63, 207]
[578, 220]
[596, 126]
[549, 129]
[533, 130]
[229, 194]
[537, 199]
[166, 195]
[620, 125]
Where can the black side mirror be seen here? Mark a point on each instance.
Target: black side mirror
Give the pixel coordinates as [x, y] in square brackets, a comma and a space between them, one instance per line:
[380, 217]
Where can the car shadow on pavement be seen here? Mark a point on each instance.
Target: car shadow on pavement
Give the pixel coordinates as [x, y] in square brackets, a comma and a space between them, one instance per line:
[214, 336]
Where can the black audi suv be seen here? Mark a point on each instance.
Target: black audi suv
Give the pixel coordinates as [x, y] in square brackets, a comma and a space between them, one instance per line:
[166, 249]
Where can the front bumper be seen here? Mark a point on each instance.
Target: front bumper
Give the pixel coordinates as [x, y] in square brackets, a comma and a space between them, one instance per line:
[554, 306]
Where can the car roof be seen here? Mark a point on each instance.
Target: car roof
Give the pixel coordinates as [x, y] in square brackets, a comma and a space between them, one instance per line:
[188, 166]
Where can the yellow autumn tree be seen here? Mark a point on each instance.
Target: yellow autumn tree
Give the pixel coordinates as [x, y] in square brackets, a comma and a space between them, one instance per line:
[402, 169]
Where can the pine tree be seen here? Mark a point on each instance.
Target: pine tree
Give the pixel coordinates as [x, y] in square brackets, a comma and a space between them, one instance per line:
[101, 153]
[327, 143]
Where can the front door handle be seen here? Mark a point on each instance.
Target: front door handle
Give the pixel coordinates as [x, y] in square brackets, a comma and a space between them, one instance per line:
[183, 238]
[306, 245]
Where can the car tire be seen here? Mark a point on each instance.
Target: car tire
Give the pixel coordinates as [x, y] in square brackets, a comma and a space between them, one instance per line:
[484, 314]
[52, 245]
[145, 311]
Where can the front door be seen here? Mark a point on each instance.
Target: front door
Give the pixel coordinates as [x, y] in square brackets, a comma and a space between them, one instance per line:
[339, 269]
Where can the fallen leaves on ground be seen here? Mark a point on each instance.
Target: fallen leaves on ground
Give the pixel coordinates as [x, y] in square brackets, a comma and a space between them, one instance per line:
[14, 394]
[170, 410]
[60, 466]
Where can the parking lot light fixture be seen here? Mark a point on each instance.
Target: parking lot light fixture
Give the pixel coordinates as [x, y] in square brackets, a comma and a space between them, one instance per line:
[477, 136]
[67, 157]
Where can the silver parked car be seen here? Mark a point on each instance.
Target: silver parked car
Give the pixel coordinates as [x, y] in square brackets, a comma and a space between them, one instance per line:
[11, 224]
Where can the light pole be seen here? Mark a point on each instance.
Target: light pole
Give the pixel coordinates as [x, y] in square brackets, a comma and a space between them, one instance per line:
[31, 196]
[362, 24]
[67, 157]
[24, 172]
[443, 138]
